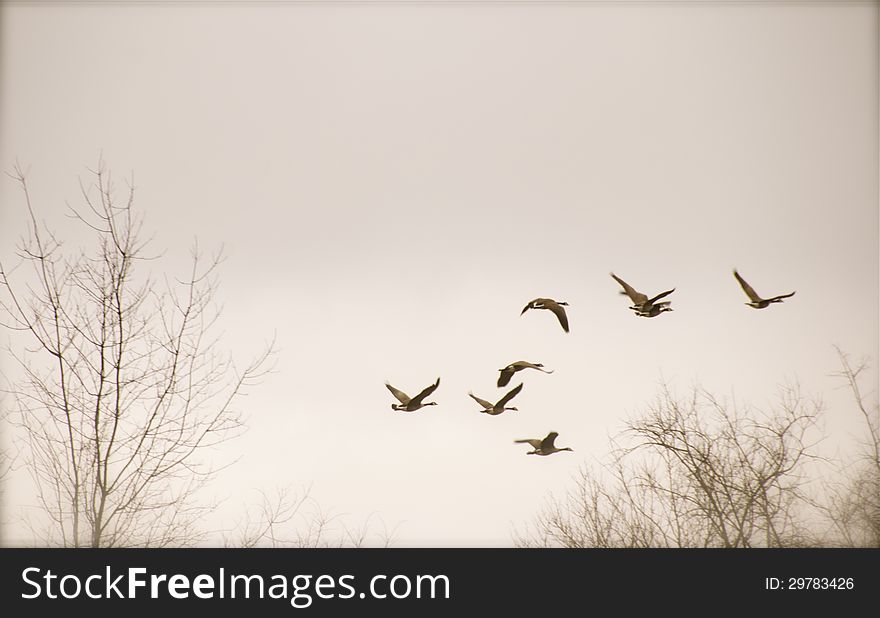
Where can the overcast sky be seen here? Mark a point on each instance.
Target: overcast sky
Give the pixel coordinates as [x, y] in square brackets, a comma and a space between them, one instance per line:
[393, 184]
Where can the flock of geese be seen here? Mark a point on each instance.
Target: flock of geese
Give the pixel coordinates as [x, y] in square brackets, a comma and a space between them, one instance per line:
[642, 306]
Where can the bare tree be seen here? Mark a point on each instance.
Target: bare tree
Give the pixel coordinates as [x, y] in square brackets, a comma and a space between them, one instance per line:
[124, 387]
[853, 500]
[694, 472]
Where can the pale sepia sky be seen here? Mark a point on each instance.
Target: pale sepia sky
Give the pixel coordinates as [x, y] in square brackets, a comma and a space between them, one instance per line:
[393, 183]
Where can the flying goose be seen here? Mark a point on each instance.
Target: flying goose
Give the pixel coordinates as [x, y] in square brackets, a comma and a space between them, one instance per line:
[498, 408]
[411, 404]
[642, 305]
[512, 368]
[756, 301]
[543, 447]
[552, 305]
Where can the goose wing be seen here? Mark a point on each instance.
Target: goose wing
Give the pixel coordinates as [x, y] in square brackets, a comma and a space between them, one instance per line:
[510, 395]
[427, 391]
[401, 396]
[753, 296]
[486, 405]
[660, 295]
[781, 297]
[636, 297]
[531, 441]
[505, 376]
[547, 443]
[531, 305]
[559, 310]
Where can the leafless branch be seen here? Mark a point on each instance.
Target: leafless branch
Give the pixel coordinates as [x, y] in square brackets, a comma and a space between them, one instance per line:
[123, 383]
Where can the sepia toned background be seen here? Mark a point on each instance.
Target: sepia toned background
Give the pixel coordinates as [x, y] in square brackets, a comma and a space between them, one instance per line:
[393, 183]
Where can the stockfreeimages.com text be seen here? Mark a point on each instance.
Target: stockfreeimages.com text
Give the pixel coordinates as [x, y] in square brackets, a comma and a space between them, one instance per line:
[300, 590]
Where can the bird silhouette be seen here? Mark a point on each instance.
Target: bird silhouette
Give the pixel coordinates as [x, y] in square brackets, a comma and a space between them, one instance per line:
[756, 301]
[543, 447]
[642, 305]
[512, 368]
[411, 404]
[497, 408]
[552, 305]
